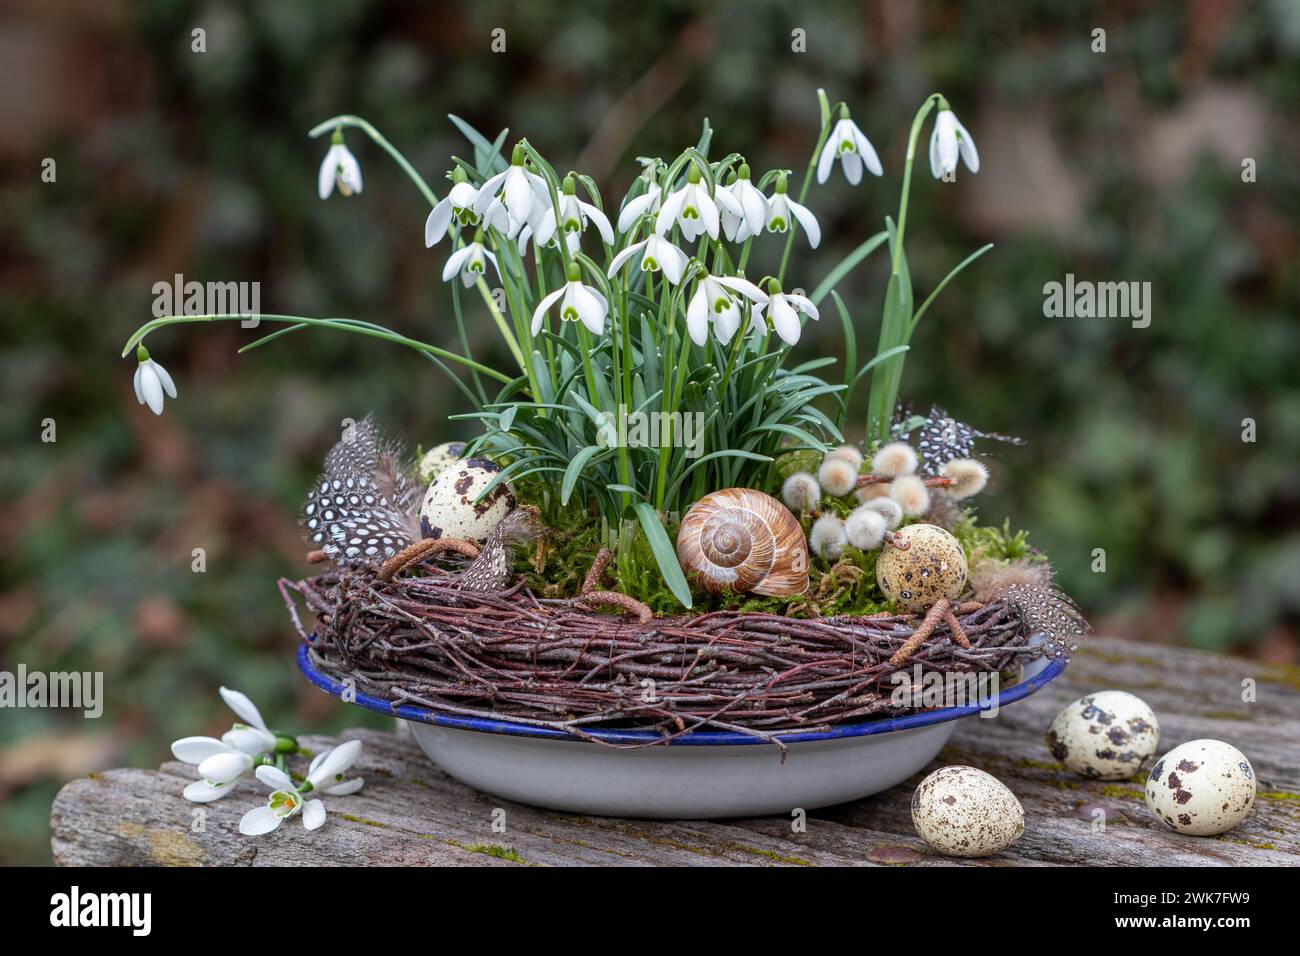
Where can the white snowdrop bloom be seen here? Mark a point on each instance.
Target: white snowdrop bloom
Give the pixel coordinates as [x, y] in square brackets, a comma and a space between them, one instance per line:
[948, 142]
[847, 143]
[328, 769]
[457, 204]
[578, 303]
[152, 382]
[287, 799]
[219, 764]
[524, 195]
[753, 208]
[339, 168]
[252, 736]
[657, 253]
[647, 202]
[780, 209]
[574, 216]
[470, 262]
[783, 308]
[694, 210]
[715, 300]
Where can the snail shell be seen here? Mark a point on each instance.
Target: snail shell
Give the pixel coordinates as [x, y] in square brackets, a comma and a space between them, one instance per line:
[743, 540]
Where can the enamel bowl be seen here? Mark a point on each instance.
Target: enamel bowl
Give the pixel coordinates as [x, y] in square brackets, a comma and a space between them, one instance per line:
[705, 775]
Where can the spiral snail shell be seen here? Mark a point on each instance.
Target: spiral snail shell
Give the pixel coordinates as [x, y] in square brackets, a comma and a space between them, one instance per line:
[739, 539]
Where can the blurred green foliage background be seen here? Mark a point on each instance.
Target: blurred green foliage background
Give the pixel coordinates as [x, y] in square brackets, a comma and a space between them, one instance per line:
[1122, 165]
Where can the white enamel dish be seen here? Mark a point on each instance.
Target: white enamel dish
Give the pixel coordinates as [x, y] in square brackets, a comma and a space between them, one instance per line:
[704, 775]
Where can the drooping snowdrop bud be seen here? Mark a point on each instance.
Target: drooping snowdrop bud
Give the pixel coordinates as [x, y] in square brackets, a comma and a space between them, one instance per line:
[657, 253]
[457, 204]
[780, 209]
[848, 144]
[753, 208]
[827, 538]
[893, 460]
[783, 308]
[865, 528]
[801, 493]
[887, 508]
[469, 262]
[849, 453]
[715, 301]
[339, 168]
[328, 769]
[574, 215]
[152, 382]
[837, 477]
[948, 142]
[578, 303]
[910, 493]
[969, 477]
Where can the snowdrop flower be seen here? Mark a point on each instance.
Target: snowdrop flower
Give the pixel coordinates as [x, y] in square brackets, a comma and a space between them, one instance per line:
[781, 207]
[692, 208]
[714, 299]
[220, 766]
[223, 762]
[948, 142]
[753, 208]
[339, 168]
[334, 786]
[580, 303]
[520, 195]
[847, 143]
[783, 308]
[286, 798]
[574, 215]
[657, 253]
[470, 262]
[647, 202]
[151, 382]
[457, 204]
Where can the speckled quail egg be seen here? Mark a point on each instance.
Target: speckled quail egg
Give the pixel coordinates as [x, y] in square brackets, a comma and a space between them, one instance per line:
[436, 459]
[932, 566]
[449, 509]
[1107, 735]
[961, 811]
[1202, 787]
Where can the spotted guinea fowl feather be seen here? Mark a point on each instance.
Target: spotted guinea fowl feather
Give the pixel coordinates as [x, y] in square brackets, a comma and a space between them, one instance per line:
[490, 571]
[362, 507]
[1047, 610]
[940, 438]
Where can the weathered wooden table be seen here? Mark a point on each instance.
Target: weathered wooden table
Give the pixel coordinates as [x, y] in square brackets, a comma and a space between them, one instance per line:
[410, 813]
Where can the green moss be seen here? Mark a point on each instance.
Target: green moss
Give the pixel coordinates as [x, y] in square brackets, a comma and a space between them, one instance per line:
[1116, 792]
[496, 851]
[845, 587]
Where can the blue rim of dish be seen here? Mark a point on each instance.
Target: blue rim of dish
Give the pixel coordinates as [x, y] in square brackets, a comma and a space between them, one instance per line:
[698, 738]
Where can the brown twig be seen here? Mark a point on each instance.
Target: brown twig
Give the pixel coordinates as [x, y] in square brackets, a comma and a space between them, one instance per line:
[422, 550]
[596, 571]
[936, 482]
[594, 599]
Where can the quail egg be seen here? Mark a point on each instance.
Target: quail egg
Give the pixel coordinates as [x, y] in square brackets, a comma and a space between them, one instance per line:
[1202, 787]
[436, 459]
[449, 509]
[961, 811]
[932, 566]
[1107, 735]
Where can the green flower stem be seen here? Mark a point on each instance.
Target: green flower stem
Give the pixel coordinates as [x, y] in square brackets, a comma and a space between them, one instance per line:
[506, 333]
[803, 195]
[934, 99]
[337, 324]
[358, 123]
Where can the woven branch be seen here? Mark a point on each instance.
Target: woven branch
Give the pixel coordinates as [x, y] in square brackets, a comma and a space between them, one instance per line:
[555, 663]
